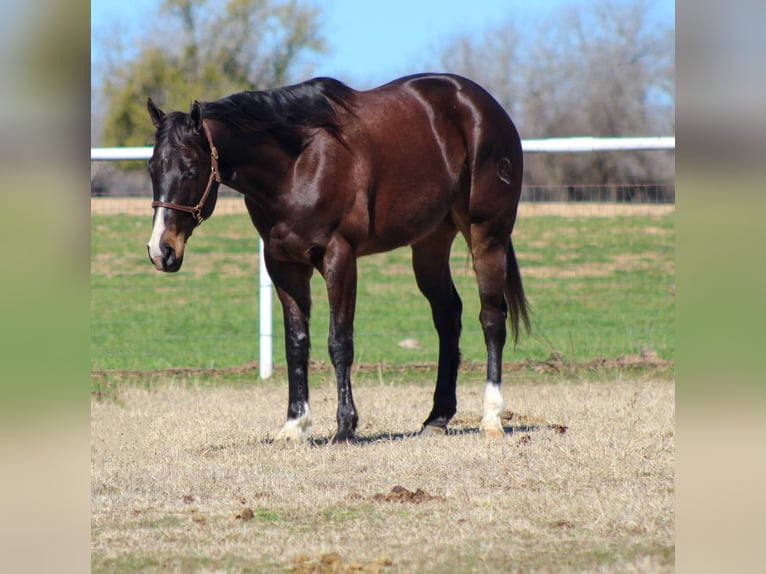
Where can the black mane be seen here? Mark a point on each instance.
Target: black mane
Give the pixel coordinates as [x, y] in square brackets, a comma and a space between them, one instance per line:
[288, 113]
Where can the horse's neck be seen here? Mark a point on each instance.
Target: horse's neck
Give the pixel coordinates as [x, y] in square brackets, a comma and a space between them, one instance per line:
[258, 168]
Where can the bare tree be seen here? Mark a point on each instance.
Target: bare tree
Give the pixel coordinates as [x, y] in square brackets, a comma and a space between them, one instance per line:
[491, 59]
[599, 69]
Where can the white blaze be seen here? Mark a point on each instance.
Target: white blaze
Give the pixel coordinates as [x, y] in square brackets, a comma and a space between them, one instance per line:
[157, 231]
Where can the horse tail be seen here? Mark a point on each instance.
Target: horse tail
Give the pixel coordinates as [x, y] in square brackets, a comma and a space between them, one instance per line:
[514, 295]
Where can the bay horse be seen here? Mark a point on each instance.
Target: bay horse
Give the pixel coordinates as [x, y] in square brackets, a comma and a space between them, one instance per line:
[330, 174]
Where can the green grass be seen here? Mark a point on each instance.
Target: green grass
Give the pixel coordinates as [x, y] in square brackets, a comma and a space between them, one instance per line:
[600, 286]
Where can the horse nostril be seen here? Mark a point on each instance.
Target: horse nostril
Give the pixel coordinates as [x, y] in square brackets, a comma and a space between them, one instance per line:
[168, 255]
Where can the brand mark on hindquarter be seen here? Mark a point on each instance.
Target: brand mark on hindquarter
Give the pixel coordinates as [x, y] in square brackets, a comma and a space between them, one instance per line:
[504, 170]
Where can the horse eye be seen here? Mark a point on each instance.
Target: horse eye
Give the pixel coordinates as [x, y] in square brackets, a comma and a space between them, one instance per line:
[191, 174]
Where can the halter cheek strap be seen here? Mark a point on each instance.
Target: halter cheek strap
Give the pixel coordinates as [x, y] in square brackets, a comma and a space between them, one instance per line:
[215, 176]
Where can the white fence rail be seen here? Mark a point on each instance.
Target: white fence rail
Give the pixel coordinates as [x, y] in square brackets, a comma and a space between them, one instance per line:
[548, 145]
[590, 144]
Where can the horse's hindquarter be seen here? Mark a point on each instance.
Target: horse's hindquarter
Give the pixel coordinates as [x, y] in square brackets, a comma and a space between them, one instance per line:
[415, 160]
[419, 138]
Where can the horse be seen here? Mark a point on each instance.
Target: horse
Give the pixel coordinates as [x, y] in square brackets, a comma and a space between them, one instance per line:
[330, 174]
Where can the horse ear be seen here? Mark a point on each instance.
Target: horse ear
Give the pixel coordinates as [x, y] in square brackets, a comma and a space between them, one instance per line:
[196, 116]
[155, 113]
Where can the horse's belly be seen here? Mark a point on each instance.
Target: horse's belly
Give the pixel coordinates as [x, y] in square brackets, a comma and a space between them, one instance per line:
[402, 217]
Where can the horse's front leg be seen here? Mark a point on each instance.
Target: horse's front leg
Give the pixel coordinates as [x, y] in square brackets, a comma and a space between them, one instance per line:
[339, 270]
[293, 288]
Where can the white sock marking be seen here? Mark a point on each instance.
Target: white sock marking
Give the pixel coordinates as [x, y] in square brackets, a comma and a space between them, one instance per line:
[297, 429]
[493, 409]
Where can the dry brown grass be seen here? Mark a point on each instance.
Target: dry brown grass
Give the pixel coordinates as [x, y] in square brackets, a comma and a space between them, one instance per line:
[185, 478]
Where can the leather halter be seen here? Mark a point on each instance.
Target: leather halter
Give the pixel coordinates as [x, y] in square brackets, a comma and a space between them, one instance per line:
[215, 176]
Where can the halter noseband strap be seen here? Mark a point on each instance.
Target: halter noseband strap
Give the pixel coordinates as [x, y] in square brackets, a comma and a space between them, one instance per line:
[215, 175]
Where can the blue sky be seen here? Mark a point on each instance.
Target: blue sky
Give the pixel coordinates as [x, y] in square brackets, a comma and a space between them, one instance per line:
[371, 41]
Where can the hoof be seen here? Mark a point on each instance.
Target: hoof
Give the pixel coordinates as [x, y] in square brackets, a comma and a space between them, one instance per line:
[433, 430]
[493, 434]
[292, 434]
[344, 438]
[492, 427]
[297, 429]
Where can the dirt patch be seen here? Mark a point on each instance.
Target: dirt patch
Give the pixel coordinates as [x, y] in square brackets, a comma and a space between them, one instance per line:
[333, 563]
[230, 265]
[515, 422]
[232, 205]
[110, 265]
[143, 206]
[647, 359]
[623, 262]
[584, 209]
[401, 494]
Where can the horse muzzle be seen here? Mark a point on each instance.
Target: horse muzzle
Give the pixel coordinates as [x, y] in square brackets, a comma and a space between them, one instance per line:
[168, 260]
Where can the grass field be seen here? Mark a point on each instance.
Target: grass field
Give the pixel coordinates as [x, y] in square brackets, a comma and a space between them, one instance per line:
[185, 478]
[600, 285]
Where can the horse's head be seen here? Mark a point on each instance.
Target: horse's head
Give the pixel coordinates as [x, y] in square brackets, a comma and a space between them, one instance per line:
[185, 178]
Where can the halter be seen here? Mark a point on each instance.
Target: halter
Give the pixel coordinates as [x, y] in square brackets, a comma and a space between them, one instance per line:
[215, 175]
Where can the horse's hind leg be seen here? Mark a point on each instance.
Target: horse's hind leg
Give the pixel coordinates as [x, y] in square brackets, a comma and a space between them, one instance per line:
[340, 273]
[490, 264]
[430, 261]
